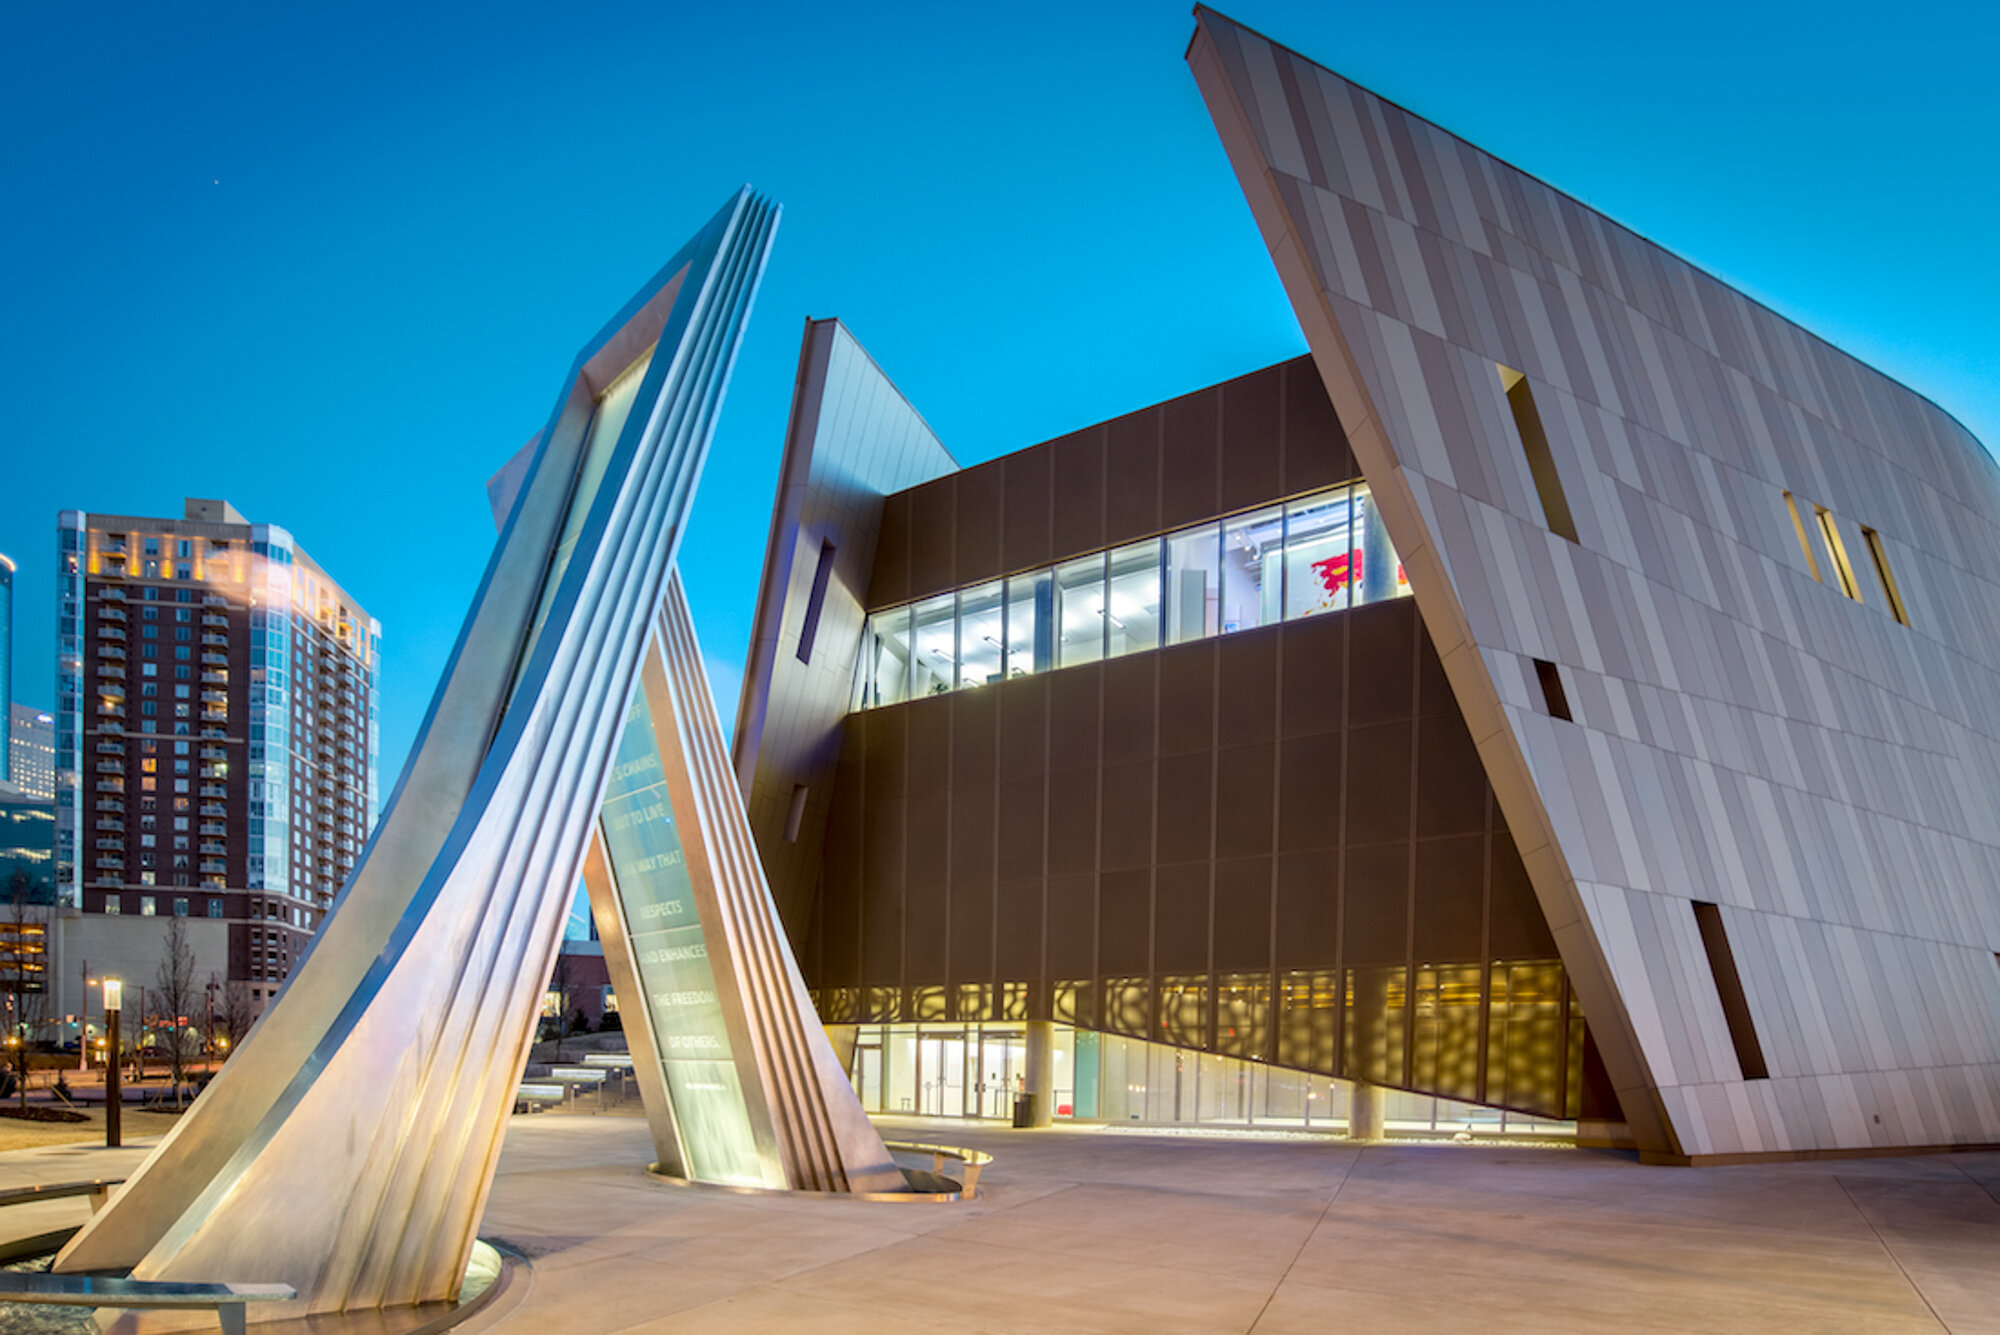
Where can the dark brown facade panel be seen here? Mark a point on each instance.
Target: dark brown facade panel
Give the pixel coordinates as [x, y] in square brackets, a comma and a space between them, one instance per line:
[1024, 720]
[1242, 931]
[1312, 692]
[927, 751]
[979, 501]
[1190, 458]
[882, 894]
[1023, 803]
[1252, 456]
[1132, 475]
[1451, 780]
[1375, 908]
[1129, 711]
[840, 898]
[1434, 694]
[1017, 942]
[890, 581]
[1073, 718]
[1450, 916]
[1126, 823]
[1186, 808]
[926, 847]
[1247, 694]
[1378, 783]
[1308, 909]
[934, 536]
[972, 867]
[1309, 792]
[1244, 801]
[1381, 658]
[1078, 513]
[1070, 945]
[1072, 822]
[975, 737]
[1518, 929]
[1181, 918]
[1187, 697]
[1125, 922]
[1026, 535]
[1316, 450]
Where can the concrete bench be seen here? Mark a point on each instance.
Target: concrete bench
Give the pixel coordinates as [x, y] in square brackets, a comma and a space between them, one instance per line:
[580, 1078]
[972, 1161]
[97, 1188]
[227, 1301]
[534, 1096]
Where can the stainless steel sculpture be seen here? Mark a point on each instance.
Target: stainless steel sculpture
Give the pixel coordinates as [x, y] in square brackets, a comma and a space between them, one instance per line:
[348, 1148]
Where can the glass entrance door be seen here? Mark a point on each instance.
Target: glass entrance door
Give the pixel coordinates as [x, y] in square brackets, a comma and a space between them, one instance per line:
[941, 1071]
[1002, 1072]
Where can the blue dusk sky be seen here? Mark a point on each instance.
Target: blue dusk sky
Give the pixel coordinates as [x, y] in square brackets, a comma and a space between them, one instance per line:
[330, 262]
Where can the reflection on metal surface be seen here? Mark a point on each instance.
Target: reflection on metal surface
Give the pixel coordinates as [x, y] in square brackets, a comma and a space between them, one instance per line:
[348, 1148]
[740, 1083]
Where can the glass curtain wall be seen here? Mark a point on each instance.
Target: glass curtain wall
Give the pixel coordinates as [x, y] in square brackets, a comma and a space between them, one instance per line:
[974, 1070]
[1324, 552]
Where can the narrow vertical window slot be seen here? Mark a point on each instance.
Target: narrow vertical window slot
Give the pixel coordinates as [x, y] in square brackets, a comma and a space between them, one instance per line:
[1729, 990]
[1887, 577]
[1535, 444]
[822, 576]
[795, 817]
[1836, 552]
[1552, 690]
[1805, 543]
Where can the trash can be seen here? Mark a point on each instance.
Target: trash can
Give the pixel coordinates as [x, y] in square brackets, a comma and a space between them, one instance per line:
[1024, 1109]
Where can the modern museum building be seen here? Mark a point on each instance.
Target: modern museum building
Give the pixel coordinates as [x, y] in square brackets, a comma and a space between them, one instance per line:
[1566, 696]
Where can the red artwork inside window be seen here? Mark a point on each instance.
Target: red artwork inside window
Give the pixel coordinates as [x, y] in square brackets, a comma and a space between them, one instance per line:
[1336, 572]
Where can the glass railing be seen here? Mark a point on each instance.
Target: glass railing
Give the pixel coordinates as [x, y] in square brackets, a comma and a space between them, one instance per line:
[1322, 552]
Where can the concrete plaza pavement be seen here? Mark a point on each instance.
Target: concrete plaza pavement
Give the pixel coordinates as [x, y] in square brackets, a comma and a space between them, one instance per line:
[1086, 1230]
[1094, 1230]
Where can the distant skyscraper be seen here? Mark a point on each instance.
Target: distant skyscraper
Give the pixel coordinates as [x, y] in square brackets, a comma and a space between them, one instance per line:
[216, 734]
[6, 666]
[33, 751]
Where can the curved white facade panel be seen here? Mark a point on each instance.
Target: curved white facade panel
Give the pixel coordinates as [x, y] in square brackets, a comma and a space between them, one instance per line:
[1761, 579]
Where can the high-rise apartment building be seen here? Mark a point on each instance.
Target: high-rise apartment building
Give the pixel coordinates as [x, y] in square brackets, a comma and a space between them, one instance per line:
[6, 668]
[216, 734]
[32, 751]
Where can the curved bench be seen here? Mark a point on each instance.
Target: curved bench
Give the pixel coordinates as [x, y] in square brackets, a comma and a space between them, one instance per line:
[227, 1301]
[970, 1160]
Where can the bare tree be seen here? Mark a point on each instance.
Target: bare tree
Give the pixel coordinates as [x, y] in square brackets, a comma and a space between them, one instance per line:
[176, 996]
[562, 987]
[235, 1013]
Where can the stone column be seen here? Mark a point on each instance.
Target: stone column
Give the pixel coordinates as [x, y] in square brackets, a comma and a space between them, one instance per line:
[1042, 1070]
[1364, 1112]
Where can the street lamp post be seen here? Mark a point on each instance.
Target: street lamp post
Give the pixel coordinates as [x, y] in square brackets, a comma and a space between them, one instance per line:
[83, 1022]
[114, 996]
